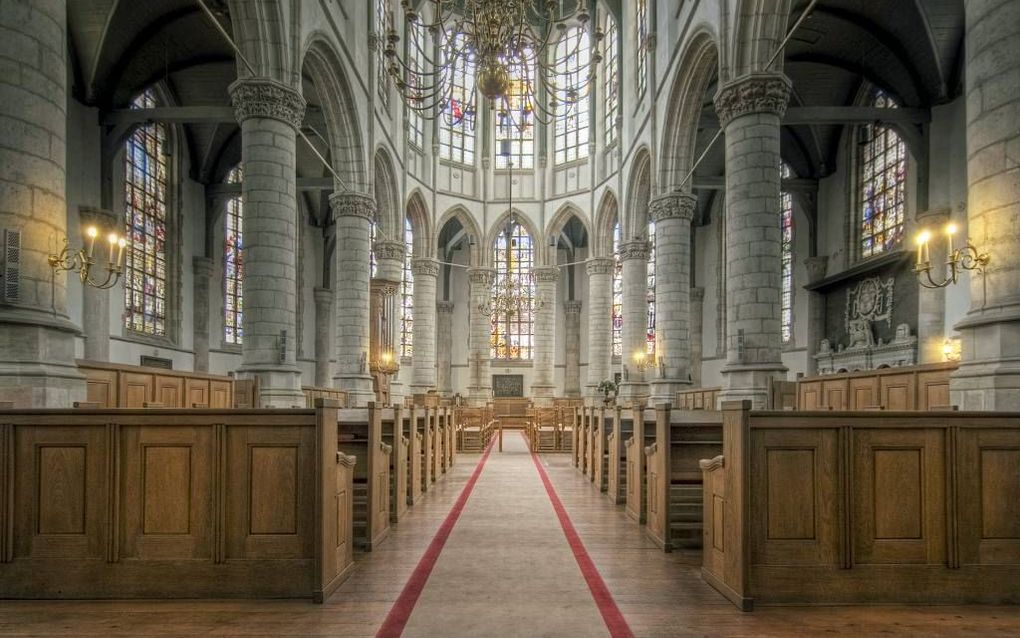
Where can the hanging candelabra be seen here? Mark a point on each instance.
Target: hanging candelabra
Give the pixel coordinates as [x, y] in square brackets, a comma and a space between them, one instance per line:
[83, 261]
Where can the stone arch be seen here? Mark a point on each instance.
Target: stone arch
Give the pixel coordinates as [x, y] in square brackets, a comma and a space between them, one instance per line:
[760, 27]
[496, 228]
[559, 221]
[417, 211]
[470, 227]
[607, 215]
[698, 66]
[639, 192]
[389, 215]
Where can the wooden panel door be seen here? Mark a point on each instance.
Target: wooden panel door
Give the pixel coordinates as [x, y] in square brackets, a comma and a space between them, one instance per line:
[988, 474]
[810, 395]
[221, 395]
[933, 390]
[196, 392]
[170, 391]
[835, 392]
[898, 391]
[863, 393]
[136, 389]
[101, 387]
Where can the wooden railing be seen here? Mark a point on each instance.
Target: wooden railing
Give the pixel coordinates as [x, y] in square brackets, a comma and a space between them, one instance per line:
[697, 399]
[110, 385]
[921, 388]
[865, 507]
[181, 503]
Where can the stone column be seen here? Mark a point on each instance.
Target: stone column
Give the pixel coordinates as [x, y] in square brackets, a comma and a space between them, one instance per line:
[269, 113]
[426, 274]
[672, 214]
[95, 315]
[325, 336]
[389, 271]
[600, 322]
[543, 387]
[697, 334]
[816, 310]
[444, 347]
[572, 349]
[37, 367]
[989, 373]
[634, 255]
[353, 213]
[200, 316]
[479, 379]
[931, 302]
[750, 109]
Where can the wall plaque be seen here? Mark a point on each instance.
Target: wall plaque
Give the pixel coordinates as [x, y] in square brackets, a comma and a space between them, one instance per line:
[508, 385]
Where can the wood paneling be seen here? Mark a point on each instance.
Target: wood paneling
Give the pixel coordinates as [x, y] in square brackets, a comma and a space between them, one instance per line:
[101, 387]
[166, 490]
[924, 387]
[136, 389]
[863, 393]
[61, 503]
[273, 490]
[170, 391]
[898, 391]
[121, 386]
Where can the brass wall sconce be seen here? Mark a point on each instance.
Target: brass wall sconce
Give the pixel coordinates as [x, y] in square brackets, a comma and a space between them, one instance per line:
[83, 260]
[966, 257]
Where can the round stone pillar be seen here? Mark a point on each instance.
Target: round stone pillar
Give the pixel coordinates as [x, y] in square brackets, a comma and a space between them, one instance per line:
[672, 214]
[95, 315]
[697, 334]
[634, 256]
[426, 274]
[543, 385]
[572, 349]
[202, 268]
[750, 109]
[353, 213]
[325, 336]
[600, 322]
[989, 374]
[37, 367]
[269, 113]
[479, 380]
[444, 347]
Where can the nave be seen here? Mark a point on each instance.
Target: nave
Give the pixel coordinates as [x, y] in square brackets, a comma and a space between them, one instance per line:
[506, 569]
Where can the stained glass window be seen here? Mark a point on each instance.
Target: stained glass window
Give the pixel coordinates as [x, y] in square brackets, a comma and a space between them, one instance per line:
[457, 123]
[612, 80]
[883, 166]
[617, 294]
[372, 263]
[786, 229]
[512, 336]
[145, 265]
[407, 293]
[416, 49]
[233, 265]
[650, 292]
[641, 74]
[515, 121]
[383, 22]
[572, 56]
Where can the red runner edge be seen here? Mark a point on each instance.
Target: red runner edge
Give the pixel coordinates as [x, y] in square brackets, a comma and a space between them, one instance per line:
[396, 620]
[615, 622]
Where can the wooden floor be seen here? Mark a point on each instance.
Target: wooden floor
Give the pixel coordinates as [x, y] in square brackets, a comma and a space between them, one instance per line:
[506, 570]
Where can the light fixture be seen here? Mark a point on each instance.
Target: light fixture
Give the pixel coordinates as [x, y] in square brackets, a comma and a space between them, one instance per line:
[951, 349]
[958, 259]
[83, 260]
[502, 40]
[387, 363]
[641, 360]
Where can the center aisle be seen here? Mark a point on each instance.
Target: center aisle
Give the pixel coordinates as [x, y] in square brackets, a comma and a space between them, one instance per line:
[507, 569]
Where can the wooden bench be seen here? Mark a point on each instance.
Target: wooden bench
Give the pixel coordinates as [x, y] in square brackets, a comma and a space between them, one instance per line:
[360, 434]
[174, 503]
[415, 485]
[112, 385]
[921, 388]
[394, 436]
[312, 393]
[642, 434]
[697, 399]
[474, 428]
[616, 455]
[511, 413]
[543, 429]
[673, 477]
[606, 419]
[874, 507]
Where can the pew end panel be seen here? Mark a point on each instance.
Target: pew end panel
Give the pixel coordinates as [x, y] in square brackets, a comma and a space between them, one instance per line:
[360, 434]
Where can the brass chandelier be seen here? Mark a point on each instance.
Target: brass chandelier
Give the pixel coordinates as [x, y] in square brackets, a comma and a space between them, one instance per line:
[512, 45]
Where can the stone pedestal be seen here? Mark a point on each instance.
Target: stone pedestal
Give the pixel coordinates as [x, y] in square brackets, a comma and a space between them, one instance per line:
[426, 274]
[750, 109]
[325, 336]
[600, 323]
[543, 387]
[816, 267]
[200, 315]
[444, 347]
[37, 367]
[672, 214]
[95, 316]
[572, 349]
[353, 213]
[269, 113]
[697, 334]
[479, 378]
[634, 255]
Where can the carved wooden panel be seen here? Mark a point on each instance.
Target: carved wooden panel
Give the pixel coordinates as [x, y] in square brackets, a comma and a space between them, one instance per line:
[810, 395]
[101, 387]
[898, 391]
[220, 395]
[272, 490]
[863, 393]
[196, 391]
[170, 391]
[933, 390]
[988, 471]
[835, 394]
[899, 496]
[136, 389]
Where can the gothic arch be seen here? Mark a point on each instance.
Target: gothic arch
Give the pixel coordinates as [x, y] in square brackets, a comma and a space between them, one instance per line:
[605, 220]
[497, 227]
[760, 27]
[559, 221]
[418, 213]
[639, 190]
[389, 215]
[477, 257]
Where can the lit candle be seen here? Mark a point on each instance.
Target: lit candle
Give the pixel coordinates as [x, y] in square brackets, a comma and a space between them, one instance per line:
[922, 248]
[120, 251]
[112, 238]
[950, 231]
[92, 232]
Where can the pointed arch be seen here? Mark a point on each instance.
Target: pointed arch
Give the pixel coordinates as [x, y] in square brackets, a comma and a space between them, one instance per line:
[760, 27]
[418, 212]
[557, 225]
[606, 217]
[389, 216]
[478, 256]
[521, 218]
[639, 192]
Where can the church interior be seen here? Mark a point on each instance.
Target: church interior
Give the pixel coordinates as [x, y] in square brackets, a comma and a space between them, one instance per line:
[509, 317]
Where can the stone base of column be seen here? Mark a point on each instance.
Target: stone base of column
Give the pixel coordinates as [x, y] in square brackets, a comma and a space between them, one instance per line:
[37, 368]
[542, 394]
[279, 386]
[989, 375]
[664, 390]
[478, 396]
[359, 387]
[632, 391]
[749, 383]
[397, 392]
[422, 389]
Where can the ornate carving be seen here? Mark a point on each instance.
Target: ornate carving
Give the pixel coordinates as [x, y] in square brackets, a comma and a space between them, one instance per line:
[384, 287]
[673, 205]
[262, 97]
[753, 93]
[870, 300]
[572, 307]
[481, 276]
[389, 250]
[352, 204]
[546, 275]
[445, 307]
[425, 267]
[599, 266]
[637, 249]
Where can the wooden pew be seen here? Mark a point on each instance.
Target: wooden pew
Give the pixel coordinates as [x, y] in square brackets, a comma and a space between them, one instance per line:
[450, 444]
[474, 428]
[697, 399]
[864, 507]
[544, 429]
[642, 434]
[568, 422]
[921, 388]
[511, 412]
[616, 455]
[605, 420]
[409, 418]
[673, 477]
[112, 385]
[360, 434]
[425, 428]
[312, 393]
[393, 435]
[173, 503]
[577, 438]
[591, 434]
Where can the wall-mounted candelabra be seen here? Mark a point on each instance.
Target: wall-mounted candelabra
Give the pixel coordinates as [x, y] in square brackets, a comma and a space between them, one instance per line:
[83, 261]
[966, 257]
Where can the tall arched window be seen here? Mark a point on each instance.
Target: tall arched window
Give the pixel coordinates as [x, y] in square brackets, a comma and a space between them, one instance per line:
[233, 265]
[515, 130]
[650, 292]
[611, 87]
[383, 22]
[617, 294]
[145, 189]
[513, 336]
[883, 175]
[373, 265]
[786, 229]
[416, 56]
[457, 122]
[641, 22]
[407, 293]
[572, 56]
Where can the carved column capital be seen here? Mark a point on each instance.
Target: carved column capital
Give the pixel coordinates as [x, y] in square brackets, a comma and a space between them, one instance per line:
[572, 307]
[202, 266]
[384, 287]
[753, 93]
[266, 98]
[425, 267]
[445, 307]
[546, 274]
[637, 249]
[481, 276]
[672, 205]
[388, 249]
[599, 266]
[816, 267]
[353, 205]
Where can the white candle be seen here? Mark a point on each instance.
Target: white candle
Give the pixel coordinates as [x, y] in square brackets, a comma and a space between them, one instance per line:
[92, 233]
